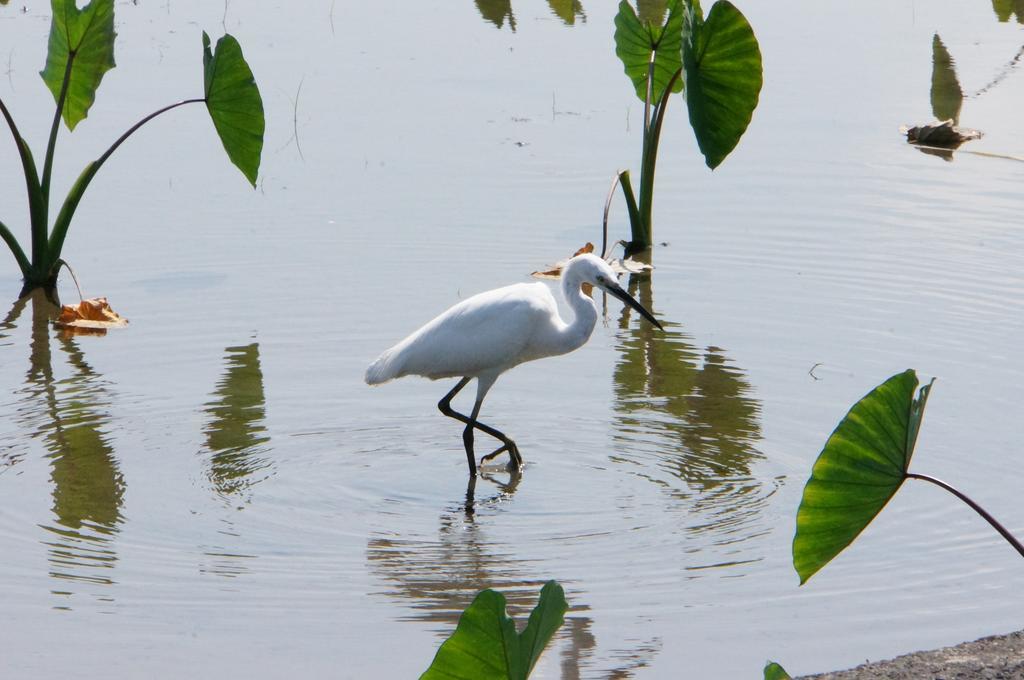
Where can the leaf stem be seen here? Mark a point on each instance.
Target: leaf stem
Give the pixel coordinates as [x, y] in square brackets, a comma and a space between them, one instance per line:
[51, 145]
[36, 204]
[649, 160]
[67, 211]
[1010, 538]
[636, 228]
[15, 247]
[650, 91]
[607, 209]
[132, 129]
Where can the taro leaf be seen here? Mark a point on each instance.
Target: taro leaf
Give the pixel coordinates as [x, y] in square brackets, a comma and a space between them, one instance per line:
[635, 40]
[947, 95]
[773, 671]
[234, 103]
[862, 466]
[722, 72]
[545, 619]
[485, 645]
[85, 36]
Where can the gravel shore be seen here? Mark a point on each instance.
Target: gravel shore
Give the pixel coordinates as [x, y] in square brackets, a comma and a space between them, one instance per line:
[999, 657]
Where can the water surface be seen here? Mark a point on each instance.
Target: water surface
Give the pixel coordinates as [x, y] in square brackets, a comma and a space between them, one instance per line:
[214, 491]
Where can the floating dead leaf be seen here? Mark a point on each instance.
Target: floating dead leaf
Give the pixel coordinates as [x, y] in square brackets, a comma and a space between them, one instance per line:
[90, 316]
[939, 133]
[628, 265]
[619, 266]
[555, 272]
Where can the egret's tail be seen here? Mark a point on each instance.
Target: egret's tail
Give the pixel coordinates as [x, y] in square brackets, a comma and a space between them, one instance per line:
[382, 370]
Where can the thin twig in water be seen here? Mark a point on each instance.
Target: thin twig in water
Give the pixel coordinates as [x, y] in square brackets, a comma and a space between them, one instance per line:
[295, 118]
[330, 16]
[295, 122]
[811, 372]
[224, 20]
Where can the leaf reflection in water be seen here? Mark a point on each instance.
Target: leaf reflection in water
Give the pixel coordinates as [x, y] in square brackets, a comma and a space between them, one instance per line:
[946, 94]
[238, 444]
[70, 415]
[498, 12]
[686, 421]
[236, 436]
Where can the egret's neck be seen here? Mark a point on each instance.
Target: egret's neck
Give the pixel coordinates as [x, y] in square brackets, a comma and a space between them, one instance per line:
[584, 313]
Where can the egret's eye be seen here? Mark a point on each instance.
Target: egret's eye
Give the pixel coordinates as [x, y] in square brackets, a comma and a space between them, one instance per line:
[601, 279]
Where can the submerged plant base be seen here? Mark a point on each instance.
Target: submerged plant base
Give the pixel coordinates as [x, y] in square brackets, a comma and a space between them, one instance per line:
[48, 289]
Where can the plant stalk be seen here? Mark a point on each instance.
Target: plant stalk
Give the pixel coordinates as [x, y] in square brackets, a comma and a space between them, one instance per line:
[649, 95]
[634, 213]
[649, 160]
[1003, 531]
[36, 204]
[51, 145]
[67, 211]
[15, 247]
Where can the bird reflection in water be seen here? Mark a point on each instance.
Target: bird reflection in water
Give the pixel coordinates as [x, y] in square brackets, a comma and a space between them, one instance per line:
[439, 578]
[686, 420]
[69, 414]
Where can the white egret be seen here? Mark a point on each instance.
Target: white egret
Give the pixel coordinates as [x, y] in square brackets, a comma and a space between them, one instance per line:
[489, 333]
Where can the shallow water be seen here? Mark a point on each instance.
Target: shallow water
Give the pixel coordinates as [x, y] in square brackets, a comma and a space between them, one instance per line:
[215, 492]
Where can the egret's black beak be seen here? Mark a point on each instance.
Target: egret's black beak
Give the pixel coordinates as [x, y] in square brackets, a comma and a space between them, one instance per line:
[616, 290]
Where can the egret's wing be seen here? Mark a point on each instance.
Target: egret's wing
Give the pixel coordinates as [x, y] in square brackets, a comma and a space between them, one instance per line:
[487, 332]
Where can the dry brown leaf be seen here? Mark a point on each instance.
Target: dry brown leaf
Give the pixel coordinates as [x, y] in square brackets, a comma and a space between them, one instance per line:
[89, 315]
[619, 266]
[556, 270]
[939, 133]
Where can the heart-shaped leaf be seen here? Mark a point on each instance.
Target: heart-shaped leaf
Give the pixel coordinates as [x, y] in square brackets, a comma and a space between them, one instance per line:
[636, 41]
[862, 466]
[234, 103]
[773, 671]
[85, 38]
[722, 74]
[485, 645]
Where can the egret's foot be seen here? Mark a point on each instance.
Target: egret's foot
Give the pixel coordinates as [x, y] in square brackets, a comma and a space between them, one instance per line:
[515, 461]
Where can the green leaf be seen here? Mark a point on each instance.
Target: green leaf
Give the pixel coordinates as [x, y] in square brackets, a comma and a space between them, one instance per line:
[722, 74]
[862, 466]
[773, 671]
[485, 645]
[636, 41]
[545, 619]
[234, 103]
[85, 37]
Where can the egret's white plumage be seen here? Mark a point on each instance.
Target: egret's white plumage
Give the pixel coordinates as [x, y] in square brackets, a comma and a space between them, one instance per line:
[489, 333]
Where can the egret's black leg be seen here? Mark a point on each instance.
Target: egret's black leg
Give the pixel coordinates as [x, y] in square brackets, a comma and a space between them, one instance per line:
[515, 460]
[445, 406]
